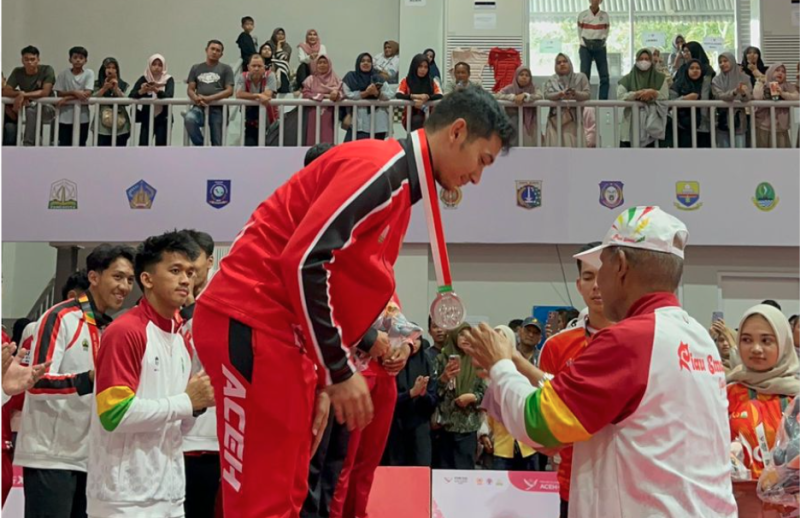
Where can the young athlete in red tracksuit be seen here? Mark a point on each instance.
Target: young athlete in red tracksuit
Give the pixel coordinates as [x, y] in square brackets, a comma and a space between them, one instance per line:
[303, 282]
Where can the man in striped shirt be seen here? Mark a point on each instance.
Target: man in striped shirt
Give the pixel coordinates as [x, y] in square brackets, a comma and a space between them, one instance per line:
[53, 444]
[644, 404]
[593, 25]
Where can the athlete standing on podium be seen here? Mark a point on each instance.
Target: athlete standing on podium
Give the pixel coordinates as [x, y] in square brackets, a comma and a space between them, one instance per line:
[303, 282]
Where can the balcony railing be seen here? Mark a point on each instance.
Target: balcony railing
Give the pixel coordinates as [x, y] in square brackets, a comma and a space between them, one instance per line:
[46, 133]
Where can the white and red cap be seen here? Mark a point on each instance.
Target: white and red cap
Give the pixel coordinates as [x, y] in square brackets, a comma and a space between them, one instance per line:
[646, 228]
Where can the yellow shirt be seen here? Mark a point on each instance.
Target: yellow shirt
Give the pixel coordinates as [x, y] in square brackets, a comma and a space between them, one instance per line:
[504, 443]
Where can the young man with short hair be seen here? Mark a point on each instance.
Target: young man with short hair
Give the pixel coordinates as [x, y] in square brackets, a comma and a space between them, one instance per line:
[560, 351]
[53, 444]
[146, 396]
[257, 83]
[209, 81]
[74, 84]
[530, 334]
[269, 308]
[200, 445]
[76, 285]
[25, 85]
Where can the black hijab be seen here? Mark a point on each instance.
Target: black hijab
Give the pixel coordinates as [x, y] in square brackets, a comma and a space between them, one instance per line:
[267, 62]
[419, 85]
[434, 69]
[699, 54]
[359, 81]
[759, 64]
[684, 84]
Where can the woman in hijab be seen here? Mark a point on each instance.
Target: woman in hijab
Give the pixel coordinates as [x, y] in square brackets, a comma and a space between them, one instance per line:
[281, 56]
[418, 86]
[435, 74]
[410, 438]
[676, 56]
[269, 64]
[725, 340]
[564, 85]
[307, 52]
[774, 86]
[364, 83]
[155, 83]
[522, 90]
[692, 84]
[764, 384]
[460, 394]
[312, 48]
[642, 83]
[109, 83]
[387, 63]
[697, 52]
[322, 85]
[753, 65]
[731, 84]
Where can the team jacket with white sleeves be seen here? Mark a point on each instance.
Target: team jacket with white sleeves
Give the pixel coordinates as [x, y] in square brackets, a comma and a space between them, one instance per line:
[135, 458]
[646, 406]
[203, 435]
[54, 431]
[315, 262]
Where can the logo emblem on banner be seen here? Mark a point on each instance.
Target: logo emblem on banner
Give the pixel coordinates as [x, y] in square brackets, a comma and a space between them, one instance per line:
[688, 195]
[611, 195]
[63, 195]
[451, 199]
[529, 194]
[218, 193]
[141, 195]
[765, 198]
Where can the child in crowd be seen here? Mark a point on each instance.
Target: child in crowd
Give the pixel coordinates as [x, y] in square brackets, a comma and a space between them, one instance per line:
[247, 41]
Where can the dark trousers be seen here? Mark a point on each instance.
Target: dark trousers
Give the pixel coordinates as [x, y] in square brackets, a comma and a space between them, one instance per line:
[601, 60]
[518, 462]
[160, 129]
[107, 141]
[362, 135]
[685, 139]
[564, 509]
[54, 493]
[202, 484]
[458, 450]
[409, 447]
[65, 134]
[251, 136]
[323, 473]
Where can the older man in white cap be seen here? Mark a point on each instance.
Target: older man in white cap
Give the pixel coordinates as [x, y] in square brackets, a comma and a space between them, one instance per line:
[645, 403]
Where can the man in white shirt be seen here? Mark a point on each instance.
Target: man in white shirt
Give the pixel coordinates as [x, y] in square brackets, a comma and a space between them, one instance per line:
[593, 26]
[74, 84]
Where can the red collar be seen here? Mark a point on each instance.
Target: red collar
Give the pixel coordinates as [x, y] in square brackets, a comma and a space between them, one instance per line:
[170, 325]
[651, 302]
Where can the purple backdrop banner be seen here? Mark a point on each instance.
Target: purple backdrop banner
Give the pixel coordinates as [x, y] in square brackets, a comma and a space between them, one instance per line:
[565, 196]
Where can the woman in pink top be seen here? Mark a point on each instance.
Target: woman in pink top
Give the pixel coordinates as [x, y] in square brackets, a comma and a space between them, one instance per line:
[322, 85]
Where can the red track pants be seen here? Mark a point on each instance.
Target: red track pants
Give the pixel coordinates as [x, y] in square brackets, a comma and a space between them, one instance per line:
[365, 449]
[264, 390]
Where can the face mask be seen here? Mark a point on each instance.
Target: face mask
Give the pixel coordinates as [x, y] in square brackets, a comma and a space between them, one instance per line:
[644, 66]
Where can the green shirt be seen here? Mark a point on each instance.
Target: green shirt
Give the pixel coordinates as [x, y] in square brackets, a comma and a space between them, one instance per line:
[22, 81]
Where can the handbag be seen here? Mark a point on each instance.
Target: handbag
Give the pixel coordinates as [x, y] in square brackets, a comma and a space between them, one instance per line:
[107, 118]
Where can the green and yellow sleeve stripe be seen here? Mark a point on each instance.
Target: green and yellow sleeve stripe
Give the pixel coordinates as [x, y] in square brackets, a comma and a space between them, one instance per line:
[112, 404]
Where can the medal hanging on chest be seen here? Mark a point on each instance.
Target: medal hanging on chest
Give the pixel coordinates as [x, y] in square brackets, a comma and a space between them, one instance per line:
[447, 310]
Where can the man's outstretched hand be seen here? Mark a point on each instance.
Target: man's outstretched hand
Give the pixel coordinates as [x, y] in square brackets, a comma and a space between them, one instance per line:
[16, 377]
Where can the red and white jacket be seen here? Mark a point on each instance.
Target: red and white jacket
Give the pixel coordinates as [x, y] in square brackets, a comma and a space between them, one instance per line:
[202, 437]
[135, 459]
[314, 265]
[54, 431]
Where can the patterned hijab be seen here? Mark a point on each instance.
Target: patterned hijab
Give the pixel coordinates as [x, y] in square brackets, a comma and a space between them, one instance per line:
[782, 378]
